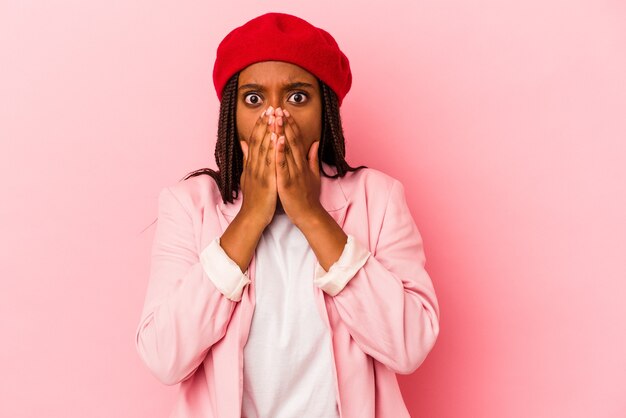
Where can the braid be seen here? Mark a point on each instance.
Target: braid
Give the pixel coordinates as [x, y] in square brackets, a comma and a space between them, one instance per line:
[226, 146]
[229, 156]
[332, 145]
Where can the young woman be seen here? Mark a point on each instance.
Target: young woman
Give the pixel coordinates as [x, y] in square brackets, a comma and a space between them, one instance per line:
[305, 293]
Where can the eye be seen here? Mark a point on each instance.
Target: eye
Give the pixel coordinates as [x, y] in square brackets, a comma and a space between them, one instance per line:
[299, 95]
[255, 101]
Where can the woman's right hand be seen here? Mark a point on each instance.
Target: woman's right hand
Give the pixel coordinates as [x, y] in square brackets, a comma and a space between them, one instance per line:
[258, 178]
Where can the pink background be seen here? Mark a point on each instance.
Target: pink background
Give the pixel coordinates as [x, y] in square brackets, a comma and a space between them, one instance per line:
[506, 121]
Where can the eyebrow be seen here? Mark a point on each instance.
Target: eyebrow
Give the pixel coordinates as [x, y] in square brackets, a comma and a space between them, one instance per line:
[287, 86]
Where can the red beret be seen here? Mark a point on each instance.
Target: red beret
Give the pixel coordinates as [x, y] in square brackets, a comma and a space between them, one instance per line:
[283, 37]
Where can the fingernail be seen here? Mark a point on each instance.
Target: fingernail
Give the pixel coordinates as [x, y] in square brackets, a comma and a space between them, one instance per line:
[269, 110]
[270, 120]
[279, 120]
[279, 111]
[273, 136]
[286, 113]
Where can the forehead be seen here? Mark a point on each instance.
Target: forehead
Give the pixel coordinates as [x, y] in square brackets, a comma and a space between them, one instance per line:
[272, 71]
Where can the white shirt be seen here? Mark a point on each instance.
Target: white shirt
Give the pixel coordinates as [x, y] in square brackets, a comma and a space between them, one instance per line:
[287, 359]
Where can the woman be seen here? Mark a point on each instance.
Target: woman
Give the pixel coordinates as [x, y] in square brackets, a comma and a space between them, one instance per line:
[306, 293]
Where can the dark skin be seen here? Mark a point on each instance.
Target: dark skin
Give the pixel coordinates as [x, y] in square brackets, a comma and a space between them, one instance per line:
[281, 167]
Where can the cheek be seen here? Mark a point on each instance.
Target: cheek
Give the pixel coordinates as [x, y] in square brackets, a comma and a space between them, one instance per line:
[315, 131]
[245, 125]
[310, 127]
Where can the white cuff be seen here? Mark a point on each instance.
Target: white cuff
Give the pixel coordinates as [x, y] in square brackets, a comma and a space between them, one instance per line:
[225, 274]
[352, 258]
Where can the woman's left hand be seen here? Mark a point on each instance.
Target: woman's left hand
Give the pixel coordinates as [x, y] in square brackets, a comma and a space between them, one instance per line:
[297, 172]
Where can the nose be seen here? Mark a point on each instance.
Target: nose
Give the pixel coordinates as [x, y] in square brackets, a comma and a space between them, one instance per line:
[276, 104]
[274, 99]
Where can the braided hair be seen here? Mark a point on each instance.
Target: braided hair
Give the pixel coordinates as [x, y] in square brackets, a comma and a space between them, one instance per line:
[229, 155]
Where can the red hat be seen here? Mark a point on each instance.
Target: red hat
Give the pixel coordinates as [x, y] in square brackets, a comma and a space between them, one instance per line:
[283, 37]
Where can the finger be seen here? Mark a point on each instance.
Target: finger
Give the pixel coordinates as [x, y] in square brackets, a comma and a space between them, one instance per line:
[258, 133]
[293, 124]
[267, 156]
[294, 152]
[269, 166]
[260, 161]
[282, 164]
[249, 141]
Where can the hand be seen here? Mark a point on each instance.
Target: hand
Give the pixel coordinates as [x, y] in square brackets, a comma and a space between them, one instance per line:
[297, 171]
[258, 178]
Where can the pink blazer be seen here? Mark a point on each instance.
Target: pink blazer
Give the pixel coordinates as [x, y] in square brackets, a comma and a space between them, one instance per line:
[385, 321]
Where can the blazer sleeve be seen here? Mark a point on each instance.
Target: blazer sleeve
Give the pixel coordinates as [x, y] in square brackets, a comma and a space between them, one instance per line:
[389, 303]
[190, 298]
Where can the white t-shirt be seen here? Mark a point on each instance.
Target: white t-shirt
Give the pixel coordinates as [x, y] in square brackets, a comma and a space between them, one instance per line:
[287, 358]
